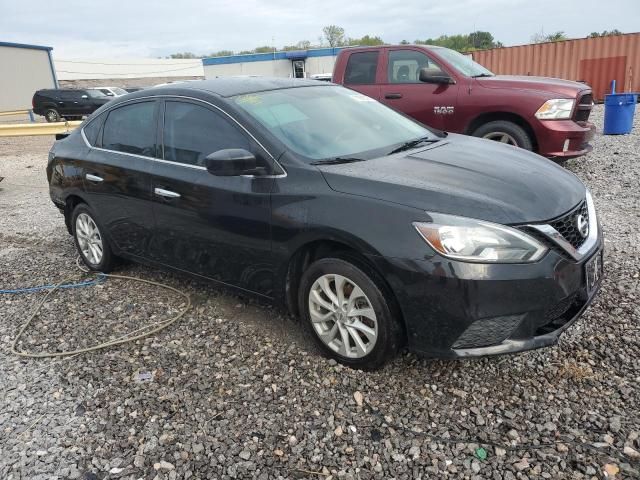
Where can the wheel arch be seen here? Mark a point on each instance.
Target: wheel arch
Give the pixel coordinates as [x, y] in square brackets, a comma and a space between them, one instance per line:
[319, 248]
[487, 117]
[70, 203]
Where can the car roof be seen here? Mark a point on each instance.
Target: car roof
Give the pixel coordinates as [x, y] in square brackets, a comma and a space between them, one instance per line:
[231, 86]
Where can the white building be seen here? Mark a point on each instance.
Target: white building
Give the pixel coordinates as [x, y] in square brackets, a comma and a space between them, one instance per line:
[25, 69]
[123, 68]
[295, 63]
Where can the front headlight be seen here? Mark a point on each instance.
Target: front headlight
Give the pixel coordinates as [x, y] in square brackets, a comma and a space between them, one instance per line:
[556, 109]
[472, 240]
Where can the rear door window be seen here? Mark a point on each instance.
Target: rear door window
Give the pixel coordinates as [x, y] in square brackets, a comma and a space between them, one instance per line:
[191, 132]
[131, 129]
[361, 68]
[71, 94]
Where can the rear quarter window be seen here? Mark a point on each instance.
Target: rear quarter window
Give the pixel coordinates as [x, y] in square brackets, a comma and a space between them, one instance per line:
[92, 129]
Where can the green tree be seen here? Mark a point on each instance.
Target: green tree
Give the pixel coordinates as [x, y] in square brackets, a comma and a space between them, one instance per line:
[365, 41]
[540, 37]
[605, 33]
[221, 53]
[334, 35]
[184, 55]
[263, 49]
[480, 40]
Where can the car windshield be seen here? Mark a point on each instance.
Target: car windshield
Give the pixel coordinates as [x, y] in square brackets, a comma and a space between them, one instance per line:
[95, 93]
[331, 122]
[463, 63]
[118, 91]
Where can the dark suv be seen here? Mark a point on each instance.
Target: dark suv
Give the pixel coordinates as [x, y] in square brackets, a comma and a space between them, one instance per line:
[71, 104]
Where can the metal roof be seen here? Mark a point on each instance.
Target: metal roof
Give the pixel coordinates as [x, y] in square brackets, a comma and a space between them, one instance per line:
[266, 57]
[25, 45]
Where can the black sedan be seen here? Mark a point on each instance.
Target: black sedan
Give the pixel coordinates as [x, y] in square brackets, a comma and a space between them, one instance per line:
[374, 230]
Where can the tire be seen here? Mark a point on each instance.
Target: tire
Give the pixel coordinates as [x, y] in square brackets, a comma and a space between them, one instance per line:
[51, 115]
[83, 223]
[505, 132]
[379, 332]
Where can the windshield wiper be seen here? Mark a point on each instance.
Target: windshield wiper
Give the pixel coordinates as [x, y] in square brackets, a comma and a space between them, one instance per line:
[482, 75]
[413, 144]
[337, 161]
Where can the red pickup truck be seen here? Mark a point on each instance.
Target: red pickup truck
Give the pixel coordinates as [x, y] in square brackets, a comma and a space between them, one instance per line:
[449, 91]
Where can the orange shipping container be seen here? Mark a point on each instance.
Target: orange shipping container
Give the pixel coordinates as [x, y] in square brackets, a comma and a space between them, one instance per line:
[595, 61]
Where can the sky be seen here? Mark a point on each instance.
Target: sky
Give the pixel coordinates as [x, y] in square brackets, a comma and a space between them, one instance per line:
[81, 29]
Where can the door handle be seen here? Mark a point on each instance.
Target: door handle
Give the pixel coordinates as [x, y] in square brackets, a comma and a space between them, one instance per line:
[93, 178]
[166, 193]
[392, 96]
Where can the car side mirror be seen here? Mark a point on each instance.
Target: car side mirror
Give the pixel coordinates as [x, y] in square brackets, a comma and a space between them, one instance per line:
[429, 76]
[232, 162]
[85, 96]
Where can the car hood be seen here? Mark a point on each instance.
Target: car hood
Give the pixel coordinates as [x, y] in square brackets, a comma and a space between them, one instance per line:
[567, 88]
[465, 176]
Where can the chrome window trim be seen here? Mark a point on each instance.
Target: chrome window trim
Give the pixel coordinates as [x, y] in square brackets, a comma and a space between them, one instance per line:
[162, 160]
[558, 239]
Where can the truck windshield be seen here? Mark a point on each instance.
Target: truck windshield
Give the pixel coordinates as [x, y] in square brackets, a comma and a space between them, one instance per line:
[332, 122]
[463, 63]
[95, 93]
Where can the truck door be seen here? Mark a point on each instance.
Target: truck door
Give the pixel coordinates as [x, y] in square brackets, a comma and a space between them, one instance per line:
[69, 103]
[362, 71]
[431, 104]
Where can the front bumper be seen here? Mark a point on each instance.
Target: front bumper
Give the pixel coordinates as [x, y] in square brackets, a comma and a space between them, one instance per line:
[455, 309]
[552, 135]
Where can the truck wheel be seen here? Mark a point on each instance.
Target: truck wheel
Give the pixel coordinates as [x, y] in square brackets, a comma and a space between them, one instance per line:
[504, 131]
[51, 115]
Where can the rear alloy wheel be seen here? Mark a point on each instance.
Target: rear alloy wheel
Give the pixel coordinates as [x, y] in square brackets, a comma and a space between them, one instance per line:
[505, 132]
[347, 314]
[51, 115]
[92, 246]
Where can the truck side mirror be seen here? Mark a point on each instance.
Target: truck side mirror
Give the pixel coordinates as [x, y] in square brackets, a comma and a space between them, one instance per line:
[428, 75]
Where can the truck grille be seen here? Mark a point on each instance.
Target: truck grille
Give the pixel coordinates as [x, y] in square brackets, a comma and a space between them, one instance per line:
[566, 225]
[583, 109]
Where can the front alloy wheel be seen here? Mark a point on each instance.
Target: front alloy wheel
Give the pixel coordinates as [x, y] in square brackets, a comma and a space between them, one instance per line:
[52, 116]
[350, 312]
[342, 316]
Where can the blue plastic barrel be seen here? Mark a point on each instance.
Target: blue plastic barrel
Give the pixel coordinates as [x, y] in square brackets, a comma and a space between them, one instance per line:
[619, 109]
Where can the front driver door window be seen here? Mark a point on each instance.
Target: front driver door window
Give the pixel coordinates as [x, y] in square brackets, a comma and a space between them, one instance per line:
[217, 227]
[405, 92]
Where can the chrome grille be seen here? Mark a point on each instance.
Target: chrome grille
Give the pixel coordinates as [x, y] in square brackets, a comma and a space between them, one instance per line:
[583, 109]
[566, 225]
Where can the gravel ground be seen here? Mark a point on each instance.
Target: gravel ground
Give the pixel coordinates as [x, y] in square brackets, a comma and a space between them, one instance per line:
[234, 390]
